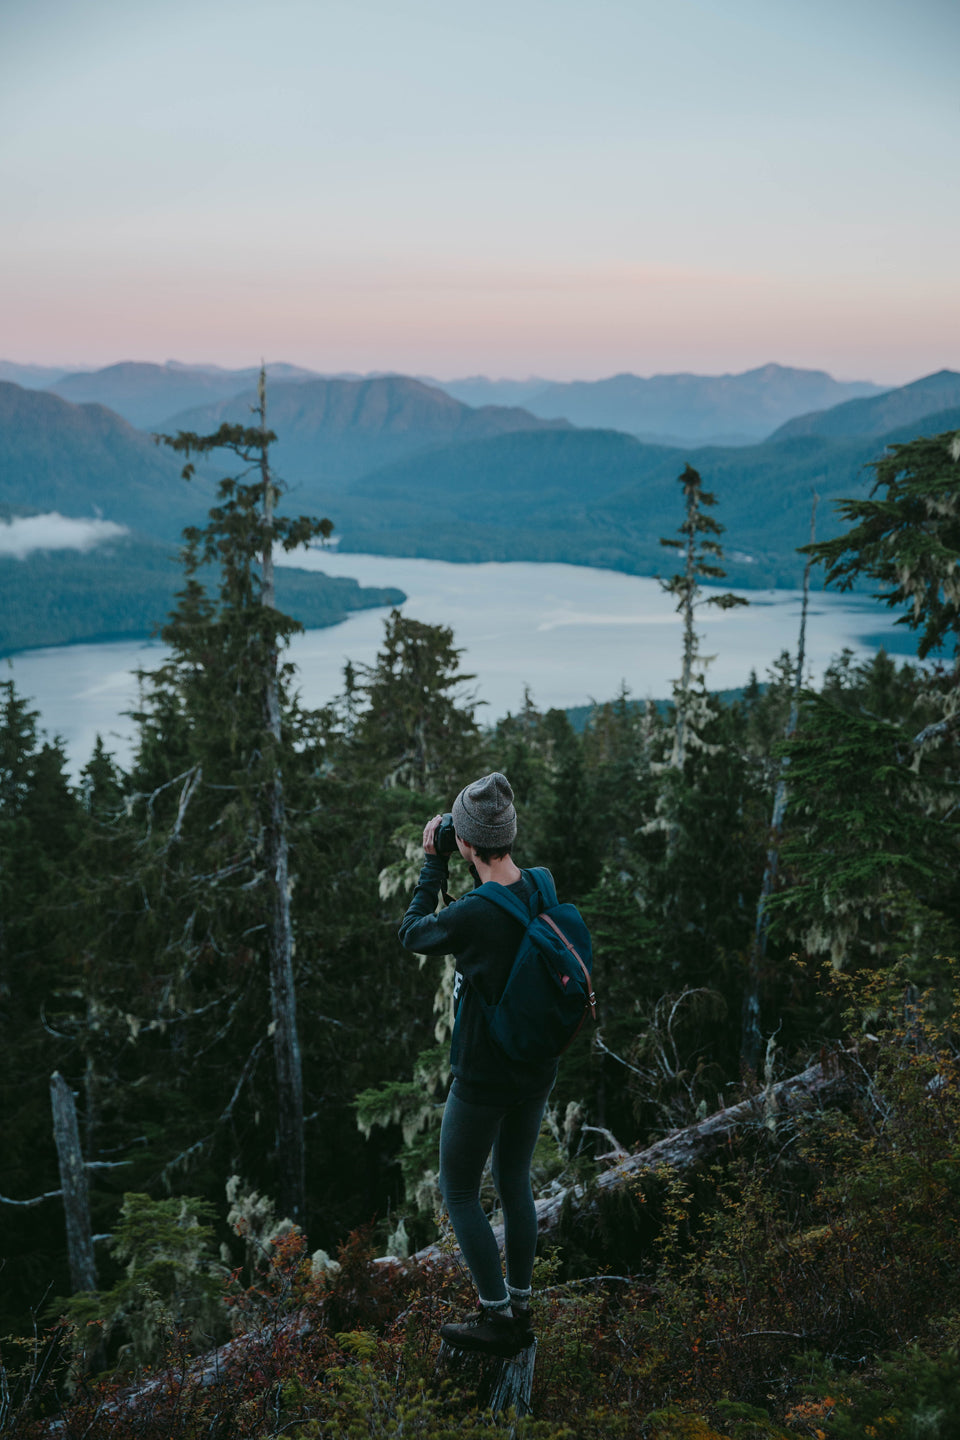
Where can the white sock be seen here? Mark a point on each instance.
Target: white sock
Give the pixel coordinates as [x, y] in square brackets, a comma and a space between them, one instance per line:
[500, 1307]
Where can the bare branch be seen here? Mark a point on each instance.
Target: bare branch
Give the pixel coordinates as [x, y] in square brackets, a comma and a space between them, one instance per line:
[35, 1200]
[617, 1153]
[244, 1074]
[934, 732]
[199, 1145]
[780, 1334]
[224, 1028]
[604, 1049]
[57, 1034]
[186, 793]
[153, 796]
[223, 874]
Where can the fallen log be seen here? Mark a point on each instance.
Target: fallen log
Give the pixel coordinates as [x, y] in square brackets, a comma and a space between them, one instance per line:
[827, 1081]
[508, 1383]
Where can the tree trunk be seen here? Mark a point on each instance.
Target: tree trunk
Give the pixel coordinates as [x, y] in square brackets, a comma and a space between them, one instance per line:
[73, 1182]
[689, 634]
[283, 996]
[497, 1384]
[751, 1035]
[283, 1002]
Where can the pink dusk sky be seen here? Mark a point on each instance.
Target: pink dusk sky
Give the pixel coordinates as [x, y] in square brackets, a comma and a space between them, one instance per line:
[537, 187]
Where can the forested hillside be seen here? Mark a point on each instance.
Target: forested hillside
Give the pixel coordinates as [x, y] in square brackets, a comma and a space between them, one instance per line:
[882, 413]
[124, 590]
[84, 460]
[204, 949]
[598, 497]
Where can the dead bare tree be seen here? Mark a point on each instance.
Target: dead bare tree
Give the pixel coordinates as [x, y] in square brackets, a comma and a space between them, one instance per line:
[283, 995]
[751, 1041]
[73, 1184]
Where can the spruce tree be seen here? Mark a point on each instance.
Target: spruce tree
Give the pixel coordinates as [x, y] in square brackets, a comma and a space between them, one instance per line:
[878, 811]
[907, 537]
[411, 720]
[871, 850]
[701, 552]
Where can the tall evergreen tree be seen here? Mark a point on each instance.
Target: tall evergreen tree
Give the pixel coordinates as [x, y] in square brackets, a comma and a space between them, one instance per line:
[873, 882]
[221, 695]
[412, 719]
[41, 828]
[701, 551]
[871, 849]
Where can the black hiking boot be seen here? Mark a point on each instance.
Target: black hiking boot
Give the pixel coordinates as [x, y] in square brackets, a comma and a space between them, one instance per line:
[490, 1332]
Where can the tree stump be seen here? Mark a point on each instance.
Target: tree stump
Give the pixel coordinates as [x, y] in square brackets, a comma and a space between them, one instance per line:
[73, 1181]
[497, 1383]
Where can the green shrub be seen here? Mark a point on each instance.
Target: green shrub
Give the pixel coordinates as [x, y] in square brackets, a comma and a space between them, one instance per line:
[911, 1396]
[172, 1283]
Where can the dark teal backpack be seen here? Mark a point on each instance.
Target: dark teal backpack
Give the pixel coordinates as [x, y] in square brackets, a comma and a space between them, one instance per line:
[548, 991]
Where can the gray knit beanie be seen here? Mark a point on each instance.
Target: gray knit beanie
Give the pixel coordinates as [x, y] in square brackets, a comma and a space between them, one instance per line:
[483, 813]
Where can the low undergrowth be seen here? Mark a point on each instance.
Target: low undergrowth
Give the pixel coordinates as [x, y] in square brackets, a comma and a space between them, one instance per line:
[804, 1286]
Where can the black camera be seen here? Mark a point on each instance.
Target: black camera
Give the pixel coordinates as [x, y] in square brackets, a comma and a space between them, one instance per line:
[444, 836]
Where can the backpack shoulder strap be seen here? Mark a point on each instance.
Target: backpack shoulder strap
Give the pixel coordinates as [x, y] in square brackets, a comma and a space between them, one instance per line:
[504, 899]
[543, 880]
[544, 897]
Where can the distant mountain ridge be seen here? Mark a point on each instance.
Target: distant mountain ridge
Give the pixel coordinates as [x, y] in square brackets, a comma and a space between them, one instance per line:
[604, 498]
[402, 467]
[145, 394]
[333, 431]
[663, 409]
[881, 414]
[479, 390]
[31, 377]
[732, 409]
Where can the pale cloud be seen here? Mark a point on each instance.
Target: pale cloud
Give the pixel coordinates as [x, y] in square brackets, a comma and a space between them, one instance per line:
[25, 534]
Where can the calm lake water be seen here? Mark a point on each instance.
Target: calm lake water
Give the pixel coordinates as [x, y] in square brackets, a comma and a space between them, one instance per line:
[570, 633]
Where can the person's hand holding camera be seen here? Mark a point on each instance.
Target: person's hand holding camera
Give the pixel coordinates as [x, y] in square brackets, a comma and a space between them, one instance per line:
[429, 835]
[439, 836]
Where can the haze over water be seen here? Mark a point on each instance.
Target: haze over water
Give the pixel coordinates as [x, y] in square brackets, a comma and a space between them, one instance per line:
[571, 633]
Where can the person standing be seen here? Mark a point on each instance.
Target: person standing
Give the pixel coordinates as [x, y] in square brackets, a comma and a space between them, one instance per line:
[495, 1103]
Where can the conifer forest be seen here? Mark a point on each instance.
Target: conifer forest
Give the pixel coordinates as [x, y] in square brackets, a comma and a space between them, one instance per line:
[222, 1078]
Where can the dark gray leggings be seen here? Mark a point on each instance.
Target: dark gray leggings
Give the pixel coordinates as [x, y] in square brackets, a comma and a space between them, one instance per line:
[467, 1135]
